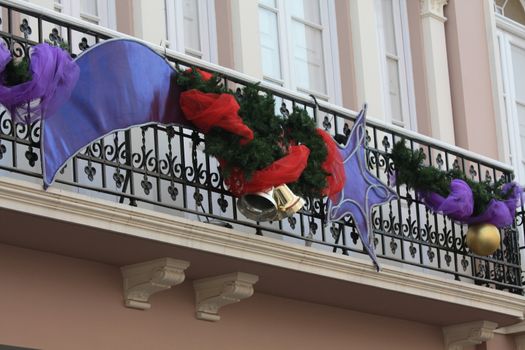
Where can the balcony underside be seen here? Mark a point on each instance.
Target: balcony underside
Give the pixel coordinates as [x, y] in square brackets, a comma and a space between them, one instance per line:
[82, 227]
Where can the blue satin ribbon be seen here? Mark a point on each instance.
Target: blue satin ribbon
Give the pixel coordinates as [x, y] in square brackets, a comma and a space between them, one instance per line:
[122, 84]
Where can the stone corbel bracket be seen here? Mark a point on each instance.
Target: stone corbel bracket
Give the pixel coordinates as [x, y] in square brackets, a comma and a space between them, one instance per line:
[215, 292]
[144, 279]
[468, 334]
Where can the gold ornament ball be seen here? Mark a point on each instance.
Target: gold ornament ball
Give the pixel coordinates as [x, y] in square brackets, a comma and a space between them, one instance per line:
[483, 239]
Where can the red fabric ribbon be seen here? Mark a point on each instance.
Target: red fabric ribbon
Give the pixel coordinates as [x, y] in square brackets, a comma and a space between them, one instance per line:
[207, 110]
[204, 75]
[333, 165]
[285, 170]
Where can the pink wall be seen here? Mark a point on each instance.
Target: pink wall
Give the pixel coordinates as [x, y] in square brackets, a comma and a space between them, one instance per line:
[124, 12]
[54, 302]
[223, 18]
[346, 56]
[499, 342]
[470, 82]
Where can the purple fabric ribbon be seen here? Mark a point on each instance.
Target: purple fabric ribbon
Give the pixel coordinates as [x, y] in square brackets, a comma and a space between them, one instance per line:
[54, 75]
[459, 204]
[501, 213]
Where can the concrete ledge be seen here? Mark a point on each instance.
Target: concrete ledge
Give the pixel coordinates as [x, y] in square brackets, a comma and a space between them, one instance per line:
[83, 210]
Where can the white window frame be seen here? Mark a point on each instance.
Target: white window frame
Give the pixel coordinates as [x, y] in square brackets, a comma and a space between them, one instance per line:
[106, 12]
[404, 57]
[510, 33]
[330, 50]
[207, 28]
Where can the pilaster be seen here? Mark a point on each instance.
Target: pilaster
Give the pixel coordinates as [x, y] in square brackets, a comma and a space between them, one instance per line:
[245, 33]
[367, 56]
[437, 70]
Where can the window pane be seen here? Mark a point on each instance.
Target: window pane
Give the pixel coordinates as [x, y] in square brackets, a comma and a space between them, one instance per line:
[191, 25]
[518, 65]
[307, 46]
[268, 33]
[388, 26]
[394, 90]
[89, 7]
[269, 3]
[306, 9]
[521, 117]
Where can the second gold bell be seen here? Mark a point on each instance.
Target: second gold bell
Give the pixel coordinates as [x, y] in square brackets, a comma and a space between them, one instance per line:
[483, 239]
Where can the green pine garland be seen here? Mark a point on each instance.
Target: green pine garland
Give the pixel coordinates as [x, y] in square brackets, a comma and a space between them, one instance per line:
[411, 171]
[272, 135]
[301, 128]
[17, 72]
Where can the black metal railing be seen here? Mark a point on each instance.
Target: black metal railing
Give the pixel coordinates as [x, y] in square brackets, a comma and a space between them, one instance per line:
[164, 168]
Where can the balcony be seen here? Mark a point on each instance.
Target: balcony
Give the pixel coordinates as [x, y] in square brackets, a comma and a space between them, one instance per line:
[164, 169]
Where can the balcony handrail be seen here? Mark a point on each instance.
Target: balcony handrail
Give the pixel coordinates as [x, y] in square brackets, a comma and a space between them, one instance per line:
[298, 96]
[165, 167]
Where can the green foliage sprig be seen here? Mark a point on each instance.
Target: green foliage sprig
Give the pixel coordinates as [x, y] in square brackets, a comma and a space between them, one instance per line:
[300, 127]
[412, 172]
[273, 134]
[18, 71]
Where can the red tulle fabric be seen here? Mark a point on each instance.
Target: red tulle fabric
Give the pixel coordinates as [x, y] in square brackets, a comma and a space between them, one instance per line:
[207, 110]
[204, 75]
[285, 170]
[333, 165]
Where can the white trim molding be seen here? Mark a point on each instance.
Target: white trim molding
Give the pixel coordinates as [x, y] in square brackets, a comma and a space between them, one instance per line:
[512, 329]
[62, 205]
[145, 279]
[463, 335]
[212, 293]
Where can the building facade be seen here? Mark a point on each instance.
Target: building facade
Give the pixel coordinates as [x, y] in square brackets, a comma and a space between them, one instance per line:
[139, 245]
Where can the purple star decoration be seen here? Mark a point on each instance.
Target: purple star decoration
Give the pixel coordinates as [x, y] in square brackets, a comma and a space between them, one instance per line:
[362, 191]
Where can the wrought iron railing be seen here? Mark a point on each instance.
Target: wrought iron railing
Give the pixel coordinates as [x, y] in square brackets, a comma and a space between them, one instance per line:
[164, 168]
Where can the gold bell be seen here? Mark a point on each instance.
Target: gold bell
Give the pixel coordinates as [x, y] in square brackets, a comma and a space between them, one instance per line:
[259, 206]
[270, 205]
[483, 239]
[287, 202]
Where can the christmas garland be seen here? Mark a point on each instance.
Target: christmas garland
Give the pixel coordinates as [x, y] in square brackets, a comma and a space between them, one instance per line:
[453, 193]
[267, 141]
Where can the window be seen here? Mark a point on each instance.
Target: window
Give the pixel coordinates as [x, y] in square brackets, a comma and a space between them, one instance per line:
[190, 26]
[397, 66]
[513, 9]
[512, 54]
[299, 46]
[101, 12]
